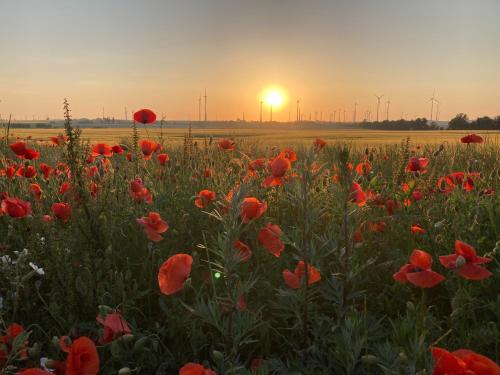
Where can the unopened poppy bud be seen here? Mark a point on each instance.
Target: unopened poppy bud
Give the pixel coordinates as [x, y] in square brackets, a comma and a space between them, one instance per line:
[139, 344]
[50, 364]
[127, 338]
[369, 359]
[403, 358]
[55, 341]
[460, 261]
[217, 356]
[34, 351]
[439, 224]
[410, 306]
[124, 371]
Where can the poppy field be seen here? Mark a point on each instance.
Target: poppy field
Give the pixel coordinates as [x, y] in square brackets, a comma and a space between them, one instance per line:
[231, 256]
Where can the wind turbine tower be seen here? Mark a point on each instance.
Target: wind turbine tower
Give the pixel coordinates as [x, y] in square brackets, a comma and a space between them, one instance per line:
[205, 97]
[432, 100]
[378, 103]
[387, 109]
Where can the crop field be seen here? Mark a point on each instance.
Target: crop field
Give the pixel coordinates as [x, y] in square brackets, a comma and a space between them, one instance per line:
[197, 256]
[271, 135]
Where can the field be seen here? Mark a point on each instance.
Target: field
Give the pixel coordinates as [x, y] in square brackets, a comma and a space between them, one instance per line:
[272, 135]
[189, 255]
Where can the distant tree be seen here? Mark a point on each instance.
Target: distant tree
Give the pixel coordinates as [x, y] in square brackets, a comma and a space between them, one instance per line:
[459, 122]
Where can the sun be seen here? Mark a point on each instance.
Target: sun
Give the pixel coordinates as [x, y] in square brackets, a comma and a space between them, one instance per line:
[274, 96]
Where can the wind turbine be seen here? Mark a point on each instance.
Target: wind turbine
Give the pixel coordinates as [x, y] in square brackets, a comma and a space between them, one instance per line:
[437, 110]
[432, 100]
[387, 110]
[378, 103]
[354, 114]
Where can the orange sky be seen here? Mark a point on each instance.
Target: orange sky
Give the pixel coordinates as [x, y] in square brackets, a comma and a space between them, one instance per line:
[161, 55]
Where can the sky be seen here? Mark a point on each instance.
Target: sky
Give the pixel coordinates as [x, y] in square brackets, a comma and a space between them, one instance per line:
[329, 54]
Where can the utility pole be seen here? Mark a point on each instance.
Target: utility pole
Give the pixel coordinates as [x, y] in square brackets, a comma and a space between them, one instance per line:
[298, 113]
[126, 114]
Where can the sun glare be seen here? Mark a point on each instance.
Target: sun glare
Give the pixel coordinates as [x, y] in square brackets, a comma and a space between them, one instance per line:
[274, 96]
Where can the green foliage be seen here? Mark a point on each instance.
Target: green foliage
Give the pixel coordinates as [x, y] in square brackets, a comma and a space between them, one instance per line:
[355, 320]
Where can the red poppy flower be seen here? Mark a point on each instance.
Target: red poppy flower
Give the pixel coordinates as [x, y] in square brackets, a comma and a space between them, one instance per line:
[145, 116]
[163, 158]
[244, 253]
[139, 192]
[62, 211]
[46, 218]
[391, 205]
[363, 168]
[251, 208]
[378, 227]
[19, 148]
[417, 229]
[416, 164]
[195, 369]
[59, 140]
[418, 272]
[257, 165]
[205, 197]
[319, 144]
[31, 154]
[462, 362]
[114, 326]
[278, 166]
[83, 358]
[227, 144]
[466, 262]
[36, 190]
[65, 186]
[148, 148]
[28, 172]
[288, 154]
[117, 149]
[357, 195]
[153, 226]
[46, 170]
[270, 237]
[102, 149]
[15, 207]
[174, 273]
[472, 138]
[294, 279]
[65, 343]
[33, 371]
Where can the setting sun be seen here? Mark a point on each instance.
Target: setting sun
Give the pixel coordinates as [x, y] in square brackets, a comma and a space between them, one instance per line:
[274, 98]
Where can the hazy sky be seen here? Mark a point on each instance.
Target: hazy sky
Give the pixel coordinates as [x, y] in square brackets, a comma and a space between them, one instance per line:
[161, 54]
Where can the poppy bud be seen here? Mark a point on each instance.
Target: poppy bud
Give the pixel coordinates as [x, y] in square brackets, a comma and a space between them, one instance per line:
[410, 306]
[127, 338]
[139, 344]
[34, 351]
[50, 364]
[460, 261]
[439, 224]
[124, 371]
[55, 341]
[403, 358]
[217, 356]
[369, 359]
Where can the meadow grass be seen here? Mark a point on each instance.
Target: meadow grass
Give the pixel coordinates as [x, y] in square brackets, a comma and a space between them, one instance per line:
[356, 319]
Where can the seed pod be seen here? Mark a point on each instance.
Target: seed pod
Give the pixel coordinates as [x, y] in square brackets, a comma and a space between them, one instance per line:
[139, 344]
[217, 356]
[124, 371]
